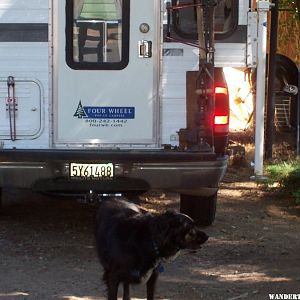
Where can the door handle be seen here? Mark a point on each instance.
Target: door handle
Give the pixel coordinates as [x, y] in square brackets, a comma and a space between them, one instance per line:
[145, 49]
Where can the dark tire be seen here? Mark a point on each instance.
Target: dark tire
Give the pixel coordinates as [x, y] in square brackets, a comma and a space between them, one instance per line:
[201, 209]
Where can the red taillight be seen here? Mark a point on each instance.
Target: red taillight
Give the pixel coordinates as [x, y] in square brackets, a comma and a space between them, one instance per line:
[221, 120]
[221, 116]
[221, 90]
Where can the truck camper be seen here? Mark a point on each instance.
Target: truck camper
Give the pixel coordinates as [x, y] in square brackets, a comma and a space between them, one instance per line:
[120, 96]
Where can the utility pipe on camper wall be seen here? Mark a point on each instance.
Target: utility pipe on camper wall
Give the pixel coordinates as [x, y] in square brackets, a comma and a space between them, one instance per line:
[262, 8]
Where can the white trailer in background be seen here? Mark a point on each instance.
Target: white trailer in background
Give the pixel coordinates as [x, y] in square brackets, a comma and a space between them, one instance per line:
[93, 95]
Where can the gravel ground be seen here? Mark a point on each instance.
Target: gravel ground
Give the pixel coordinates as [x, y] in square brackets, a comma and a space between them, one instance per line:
[47, 249]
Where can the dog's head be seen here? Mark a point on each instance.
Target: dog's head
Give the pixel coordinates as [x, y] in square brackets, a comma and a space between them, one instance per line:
[175, 231]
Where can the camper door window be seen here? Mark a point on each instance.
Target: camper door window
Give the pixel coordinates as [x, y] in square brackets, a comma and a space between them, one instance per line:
[185, 19]
[97, 34]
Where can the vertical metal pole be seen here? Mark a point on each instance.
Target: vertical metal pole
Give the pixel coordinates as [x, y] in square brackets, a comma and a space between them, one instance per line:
[298, 116]
[200, 30]
[271, 82]
[262, 8]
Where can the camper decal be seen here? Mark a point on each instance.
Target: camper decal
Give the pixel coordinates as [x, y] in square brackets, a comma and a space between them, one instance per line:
[104, 116]
[80, 112]
[104, 112]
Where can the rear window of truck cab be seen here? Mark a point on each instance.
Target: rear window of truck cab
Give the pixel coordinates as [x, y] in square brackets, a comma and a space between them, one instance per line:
[185, 19]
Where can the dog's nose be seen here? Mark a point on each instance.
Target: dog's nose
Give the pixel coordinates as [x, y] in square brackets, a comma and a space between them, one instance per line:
[203, 236]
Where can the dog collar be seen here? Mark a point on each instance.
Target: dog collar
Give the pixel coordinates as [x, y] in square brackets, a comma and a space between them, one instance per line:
[156, 249]
[160, 267]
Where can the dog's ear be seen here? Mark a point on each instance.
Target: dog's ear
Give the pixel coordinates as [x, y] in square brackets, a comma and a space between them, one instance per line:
[162, 224]
[174, 222]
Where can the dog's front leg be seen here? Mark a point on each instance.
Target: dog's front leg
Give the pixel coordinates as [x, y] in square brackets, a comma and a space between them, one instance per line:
[112, 287]
[151, 283]
[126, 291]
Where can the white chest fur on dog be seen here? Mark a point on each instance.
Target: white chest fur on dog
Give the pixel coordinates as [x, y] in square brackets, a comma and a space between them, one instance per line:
[172, 258]
[145, 277]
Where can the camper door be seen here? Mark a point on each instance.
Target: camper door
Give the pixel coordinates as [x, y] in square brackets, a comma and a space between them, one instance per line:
[105, 78]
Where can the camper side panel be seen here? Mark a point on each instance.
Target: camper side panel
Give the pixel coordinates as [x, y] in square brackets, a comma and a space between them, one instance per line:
[24, 57]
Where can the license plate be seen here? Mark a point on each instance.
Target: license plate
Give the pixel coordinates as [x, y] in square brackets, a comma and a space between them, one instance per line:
[92, 171]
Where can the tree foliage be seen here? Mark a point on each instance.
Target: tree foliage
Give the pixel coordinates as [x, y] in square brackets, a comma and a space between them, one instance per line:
[289, 29]
[291, 5]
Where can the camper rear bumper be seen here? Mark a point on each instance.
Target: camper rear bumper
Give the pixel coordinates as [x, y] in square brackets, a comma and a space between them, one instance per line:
[135, 170]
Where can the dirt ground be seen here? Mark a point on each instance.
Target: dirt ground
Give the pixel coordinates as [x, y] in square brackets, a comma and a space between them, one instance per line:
[47, 248]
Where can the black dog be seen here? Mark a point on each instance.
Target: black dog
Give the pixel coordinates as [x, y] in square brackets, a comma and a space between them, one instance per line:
[132, 243]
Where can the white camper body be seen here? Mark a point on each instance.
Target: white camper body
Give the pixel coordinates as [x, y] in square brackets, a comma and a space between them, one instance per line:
[141, 105]
[109, 96]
